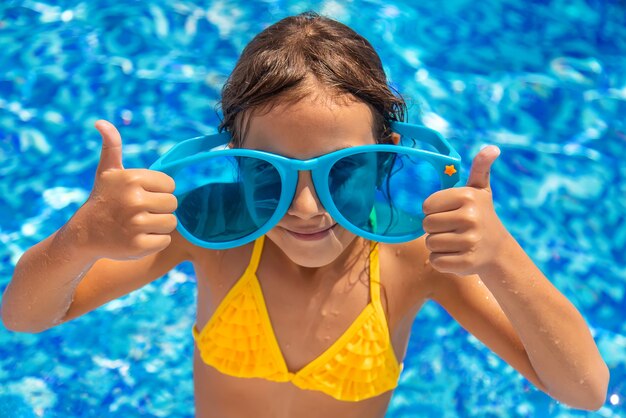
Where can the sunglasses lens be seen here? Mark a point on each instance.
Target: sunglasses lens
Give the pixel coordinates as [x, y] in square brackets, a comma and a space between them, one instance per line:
[382, 192]
[225, 198]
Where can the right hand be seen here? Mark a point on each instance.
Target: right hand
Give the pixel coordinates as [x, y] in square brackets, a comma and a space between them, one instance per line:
[129, 213]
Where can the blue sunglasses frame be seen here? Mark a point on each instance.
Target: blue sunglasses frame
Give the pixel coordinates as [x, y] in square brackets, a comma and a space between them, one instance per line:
[447, 163]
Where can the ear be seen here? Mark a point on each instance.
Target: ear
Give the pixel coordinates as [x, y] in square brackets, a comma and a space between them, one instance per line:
[395, 137]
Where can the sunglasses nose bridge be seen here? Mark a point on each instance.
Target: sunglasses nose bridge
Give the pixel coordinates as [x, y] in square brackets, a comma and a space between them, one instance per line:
[304, 165]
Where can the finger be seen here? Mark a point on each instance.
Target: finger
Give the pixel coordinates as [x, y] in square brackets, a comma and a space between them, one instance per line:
[446, 200]
[162, 224]
[152, 243]
[111, 152]
[151, 223]
[153, 181]
[445, 243]
[443, 222]
[481, 166]
[448, 262]
[161, 203]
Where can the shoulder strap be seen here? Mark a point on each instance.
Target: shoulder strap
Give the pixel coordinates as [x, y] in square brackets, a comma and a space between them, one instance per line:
[374, 273]
[256, 255]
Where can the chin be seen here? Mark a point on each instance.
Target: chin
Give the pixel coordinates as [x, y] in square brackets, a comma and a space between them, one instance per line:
[312, 254]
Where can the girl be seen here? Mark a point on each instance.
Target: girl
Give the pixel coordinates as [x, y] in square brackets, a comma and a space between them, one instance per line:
[310, 319]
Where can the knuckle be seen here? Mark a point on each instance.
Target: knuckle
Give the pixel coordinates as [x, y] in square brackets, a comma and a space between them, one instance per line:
[470, 215]
[136, 243]
[470, 239]
[139, 220]
[467, 195]
[476, 238]
[134, 199]
[133, 176]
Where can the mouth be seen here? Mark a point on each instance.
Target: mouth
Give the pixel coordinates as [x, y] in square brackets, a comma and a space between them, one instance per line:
[313, 235]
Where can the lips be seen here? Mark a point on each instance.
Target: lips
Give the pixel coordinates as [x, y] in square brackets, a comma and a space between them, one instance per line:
[310, 235]
[310, 232]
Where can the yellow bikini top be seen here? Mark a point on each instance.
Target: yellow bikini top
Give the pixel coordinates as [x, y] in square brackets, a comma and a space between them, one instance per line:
[239, 341]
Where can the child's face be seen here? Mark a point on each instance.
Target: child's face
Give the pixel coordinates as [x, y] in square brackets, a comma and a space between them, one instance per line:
[308, 129]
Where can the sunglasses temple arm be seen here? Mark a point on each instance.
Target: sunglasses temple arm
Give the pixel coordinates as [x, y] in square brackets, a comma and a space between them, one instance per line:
[422, 133]
[191, 147]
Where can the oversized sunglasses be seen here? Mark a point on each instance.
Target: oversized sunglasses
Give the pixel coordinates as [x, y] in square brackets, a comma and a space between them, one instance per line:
[228, 197]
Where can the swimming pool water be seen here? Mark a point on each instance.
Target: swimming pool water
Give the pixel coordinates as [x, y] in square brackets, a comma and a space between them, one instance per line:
[543, 80]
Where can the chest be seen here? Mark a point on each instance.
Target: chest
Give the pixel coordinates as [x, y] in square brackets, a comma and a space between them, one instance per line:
[307, 319]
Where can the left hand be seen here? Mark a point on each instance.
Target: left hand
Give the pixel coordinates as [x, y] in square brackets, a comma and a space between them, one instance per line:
[463, 229]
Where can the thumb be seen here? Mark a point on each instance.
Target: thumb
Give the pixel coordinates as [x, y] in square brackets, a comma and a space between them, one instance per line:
[481, 166]
[111, 153]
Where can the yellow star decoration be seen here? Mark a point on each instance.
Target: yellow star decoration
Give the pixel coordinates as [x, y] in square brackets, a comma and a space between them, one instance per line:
[450, 170]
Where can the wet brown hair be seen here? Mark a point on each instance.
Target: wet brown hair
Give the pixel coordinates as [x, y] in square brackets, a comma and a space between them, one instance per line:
[278, 64]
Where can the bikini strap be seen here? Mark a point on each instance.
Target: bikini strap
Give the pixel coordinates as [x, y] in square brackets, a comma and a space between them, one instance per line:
[256, 255]
[374, 273]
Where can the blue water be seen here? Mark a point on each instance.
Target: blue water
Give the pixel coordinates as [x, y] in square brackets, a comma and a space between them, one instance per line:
[545, 81]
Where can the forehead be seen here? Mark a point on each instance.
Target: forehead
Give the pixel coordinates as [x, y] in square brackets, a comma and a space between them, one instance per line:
[311, 127]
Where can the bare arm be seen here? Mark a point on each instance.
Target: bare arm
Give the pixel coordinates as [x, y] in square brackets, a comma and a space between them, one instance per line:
[475, 257]
[523, 318]
[555, 335]
[44, 281]
[58, 279]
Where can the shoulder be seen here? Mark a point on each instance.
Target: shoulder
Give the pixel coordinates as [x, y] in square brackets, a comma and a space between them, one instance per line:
[215, 265]
[406, 266]
[410, 280]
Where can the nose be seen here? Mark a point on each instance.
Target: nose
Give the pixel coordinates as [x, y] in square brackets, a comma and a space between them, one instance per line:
[305, 204]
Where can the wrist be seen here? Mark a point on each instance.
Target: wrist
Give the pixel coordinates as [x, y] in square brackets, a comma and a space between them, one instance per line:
[500, 252]
[75, 239]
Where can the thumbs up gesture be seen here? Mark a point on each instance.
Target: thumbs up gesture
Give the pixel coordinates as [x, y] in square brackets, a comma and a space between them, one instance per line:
[463, 230]
[129, 213]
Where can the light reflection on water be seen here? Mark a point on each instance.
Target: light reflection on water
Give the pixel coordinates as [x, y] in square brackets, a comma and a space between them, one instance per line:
[546, 83]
